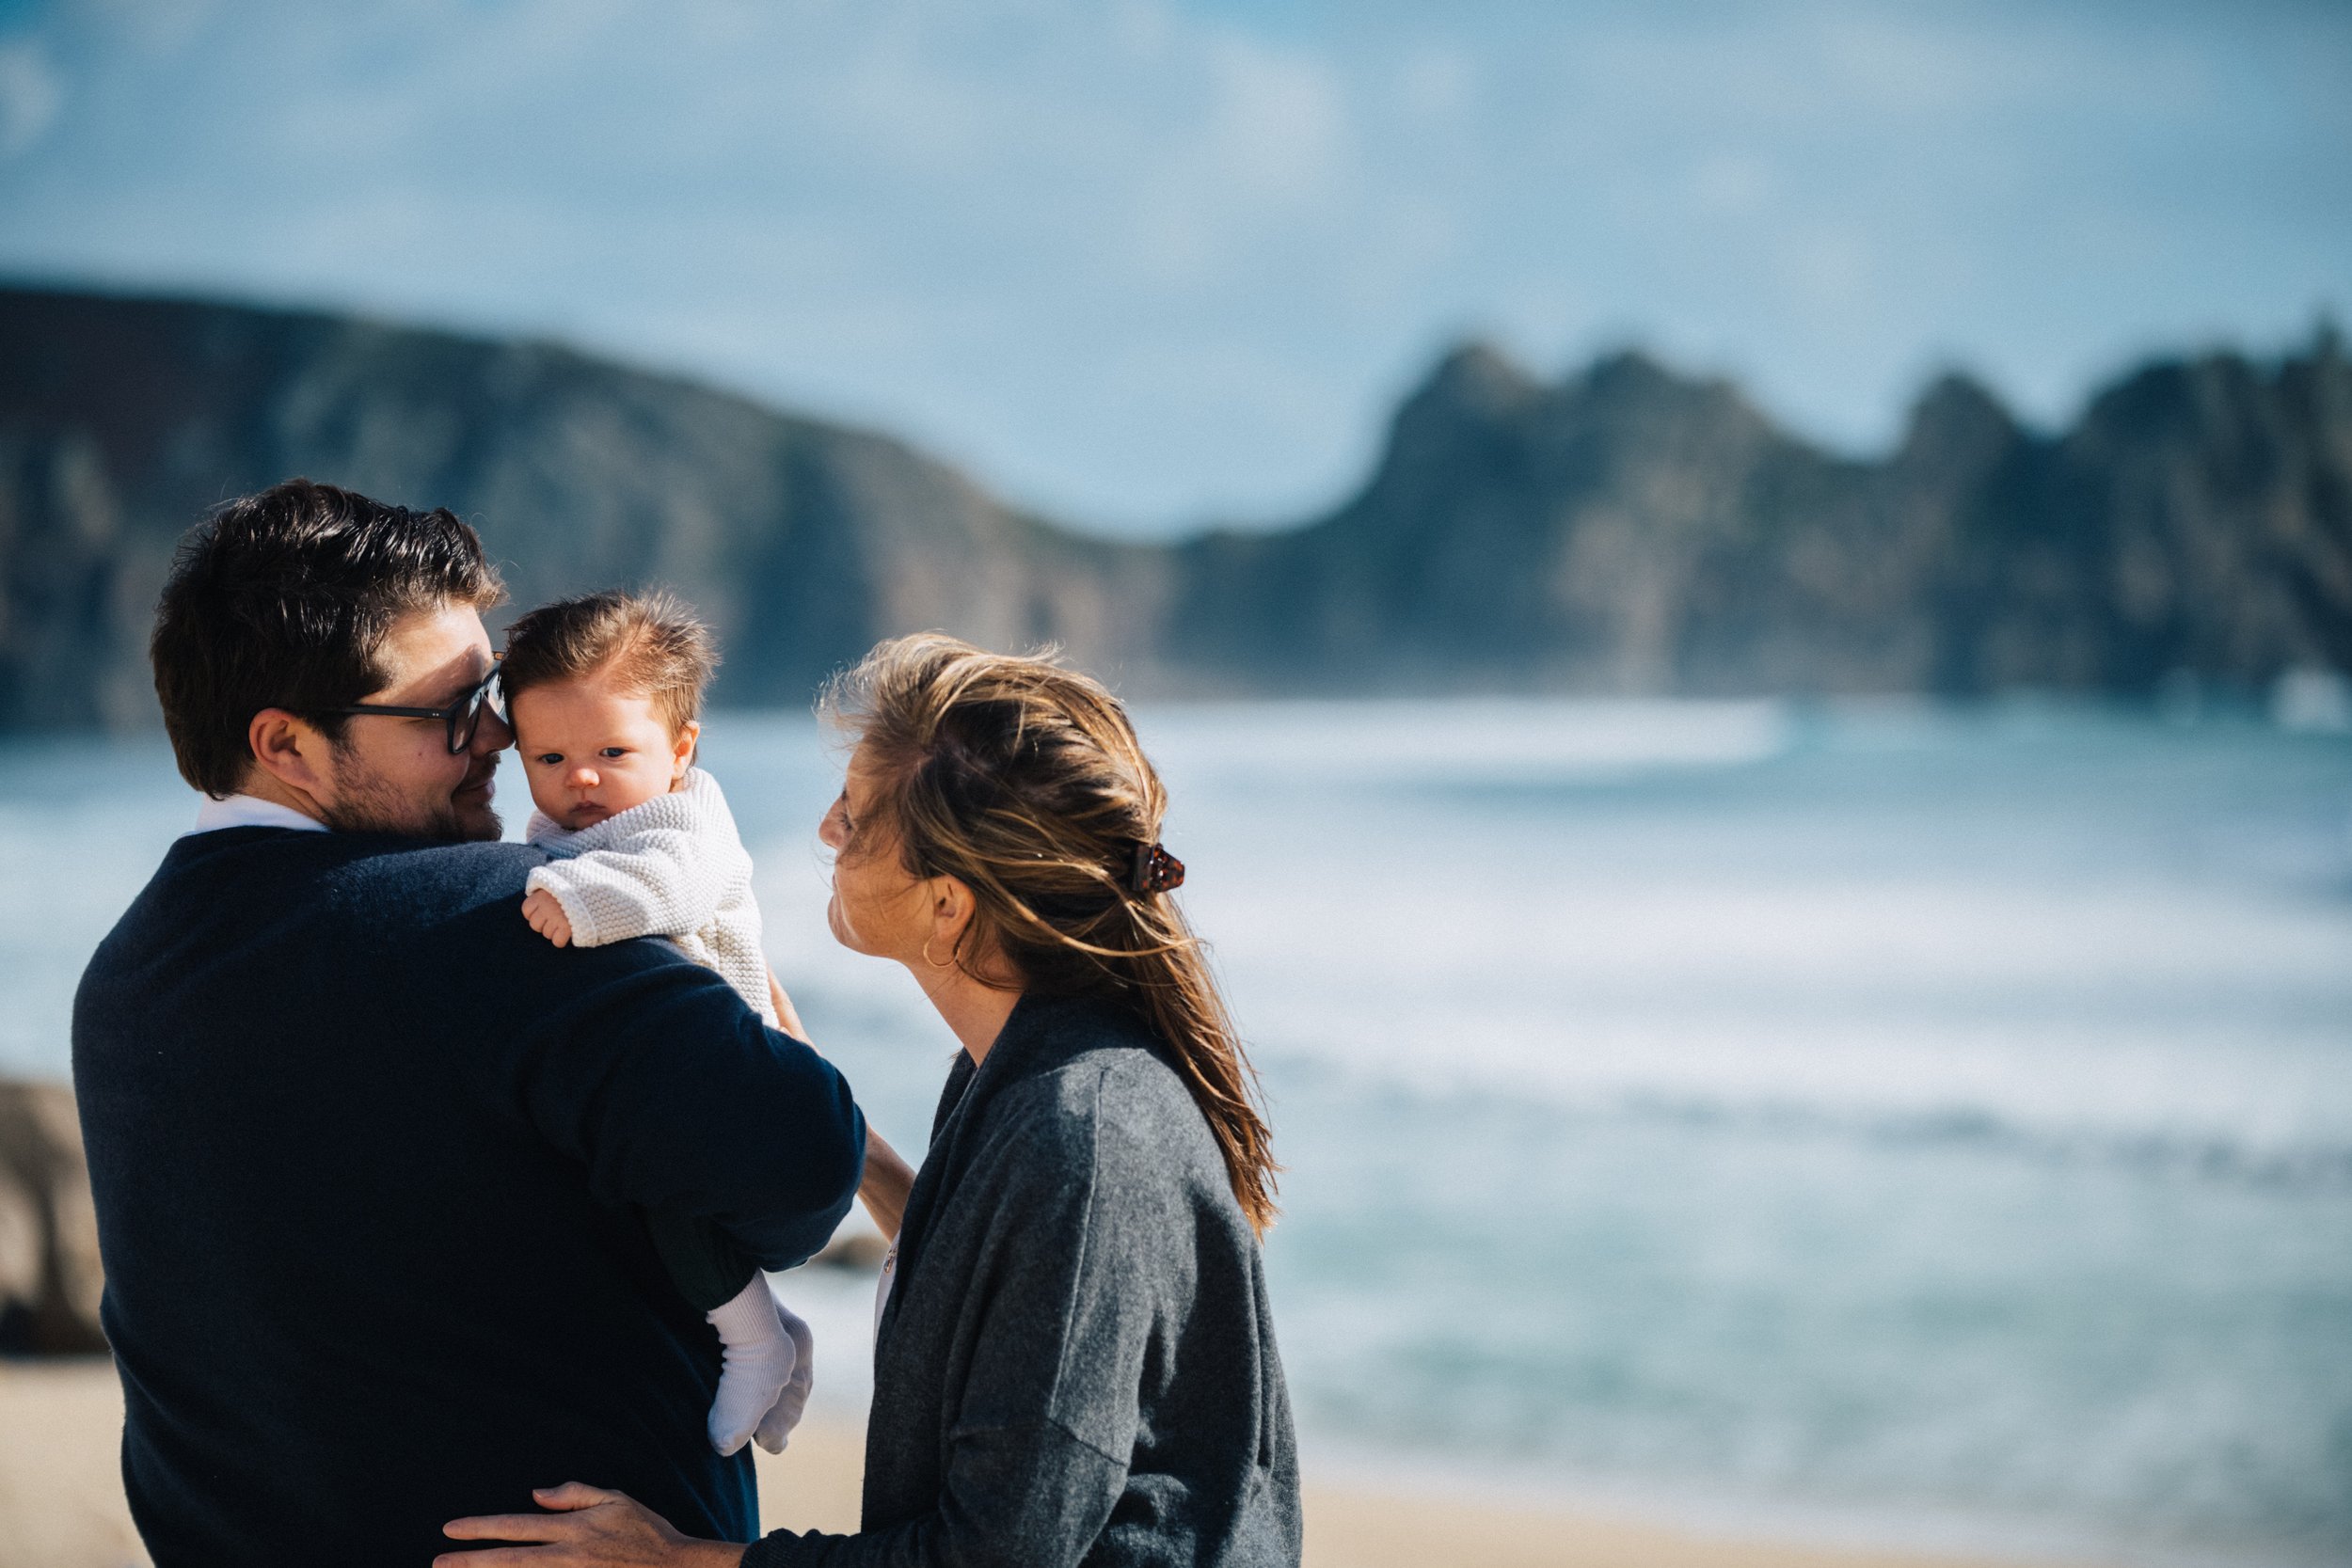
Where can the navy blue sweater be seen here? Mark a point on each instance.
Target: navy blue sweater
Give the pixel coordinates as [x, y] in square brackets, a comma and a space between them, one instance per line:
[372, 1161]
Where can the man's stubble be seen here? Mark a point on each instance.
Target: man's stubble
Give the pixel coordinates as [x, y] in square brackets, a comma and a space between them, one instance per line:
[370, 803]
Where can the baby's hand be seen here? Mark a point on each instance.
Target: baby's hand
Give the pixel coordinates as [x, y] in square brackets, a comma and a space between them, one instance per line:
[545, 914]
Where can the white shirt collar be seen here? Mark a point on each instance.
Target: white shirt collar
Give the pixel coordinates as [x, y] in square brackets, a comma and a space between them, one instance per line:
[250, 811]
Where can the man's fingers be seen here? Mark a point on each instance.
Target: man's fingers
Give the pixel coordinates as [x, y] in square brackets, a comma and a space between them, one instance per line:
[573, 1494]
[499, 1557]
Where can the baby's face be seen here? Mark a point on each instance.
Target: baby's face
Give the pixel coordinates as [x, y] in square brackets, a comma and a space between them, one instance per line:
[590, 751]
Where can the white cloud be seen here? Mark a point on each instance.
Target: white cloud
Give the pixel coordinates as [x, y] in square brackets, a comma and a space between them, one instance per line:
[31, 94]
[1139, 262]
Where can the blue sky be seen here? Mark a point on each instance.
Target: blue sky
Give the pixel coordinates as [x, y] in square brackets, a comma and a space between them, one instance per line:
[1144, 264]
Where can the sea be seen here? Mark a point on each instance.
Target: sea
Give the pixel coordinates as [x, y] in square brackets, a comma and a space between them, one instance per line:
[1877, 1124]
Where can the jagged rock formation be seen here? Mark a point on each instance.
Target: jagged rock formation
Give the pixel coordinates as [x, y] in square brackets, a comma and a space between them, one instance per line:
[1628, 529]
[1624, 530]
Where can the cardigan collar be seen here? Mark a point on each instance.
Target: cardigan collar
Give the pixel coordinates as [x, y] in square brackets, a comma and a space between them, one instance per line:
[1040, 1033]
[1043, 1032]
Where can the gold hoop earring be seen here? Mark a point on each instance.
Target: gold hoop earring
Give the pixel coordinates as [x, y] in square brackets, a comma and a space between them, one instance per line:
[934, 962]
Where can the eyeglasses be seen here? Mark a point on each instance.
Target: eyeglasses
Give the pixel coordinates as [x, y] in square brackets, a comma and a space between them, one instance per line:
[463, 717]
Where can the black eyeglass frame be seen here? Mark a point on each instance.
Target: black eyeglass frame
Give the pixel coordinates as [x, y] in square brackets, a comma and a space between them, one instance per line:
[463, 717]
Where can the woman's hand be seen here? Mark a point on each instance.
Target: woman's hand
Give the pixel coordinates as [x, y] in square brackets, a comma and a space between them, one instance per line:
[586, 1527]
[787, 1017]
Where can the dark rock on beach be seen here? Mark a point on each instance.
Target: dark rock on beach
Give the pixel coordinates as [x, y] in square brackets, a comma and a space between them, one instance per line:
[50, 1273]
[1625, 529]
[50, 1276]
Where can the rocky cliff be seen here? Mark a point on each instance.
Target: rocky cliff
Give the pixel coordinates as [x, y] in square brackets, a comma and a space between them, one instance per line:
[122, 420]
[1625, 529]
[1629, 530]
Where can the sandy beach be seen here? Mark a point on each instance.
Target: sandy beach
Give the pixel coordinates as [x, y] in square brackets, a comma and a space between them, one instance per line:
[61, 1502]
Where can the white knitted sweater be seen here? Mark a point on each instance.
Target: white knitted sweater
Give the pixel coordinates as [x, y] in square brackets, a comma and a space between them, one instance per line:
[671, 867]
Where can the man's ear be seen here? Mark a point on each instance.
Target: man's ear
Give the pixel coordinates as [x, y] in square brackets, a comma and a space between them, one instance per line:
[682, 749]
[290, 750]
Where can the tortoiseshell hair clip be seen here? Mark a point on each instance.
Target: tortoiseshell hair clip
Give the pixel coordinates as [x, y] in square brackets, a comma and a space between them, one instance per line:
[1155, 870]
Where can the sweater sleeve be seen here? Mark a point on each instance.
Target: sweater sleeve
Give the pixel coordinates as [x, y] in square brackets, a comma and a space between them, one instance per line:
[676, 1098]
[656, 882]
[1040, 1441]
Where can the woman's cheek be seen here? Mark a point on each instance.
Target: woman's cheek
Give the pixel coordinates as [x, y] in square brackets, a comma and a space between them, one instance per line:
[839, 915]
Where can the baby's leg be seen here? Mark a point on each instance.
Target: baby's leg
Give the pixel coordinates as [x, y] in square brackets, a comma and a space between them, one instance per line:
[766, 1351]
[768, 1354]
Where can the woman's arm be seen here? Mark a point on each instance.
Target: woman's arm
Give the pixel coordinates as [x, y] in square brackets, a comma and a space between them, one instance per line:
[788, 1016]
[585, 1528]
[888, 1181]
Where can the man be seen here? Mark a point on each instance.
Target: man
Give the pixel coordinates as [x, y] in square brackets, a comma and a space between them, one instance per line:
[371, 1192]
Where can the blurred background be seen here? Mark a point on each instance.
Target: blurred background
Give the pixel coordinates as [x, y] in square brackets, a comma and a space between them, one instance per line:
[1747, 608]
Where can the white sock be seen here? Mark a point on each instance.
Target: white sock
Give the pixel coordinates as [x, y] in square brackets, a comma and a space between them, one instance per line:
[759, 1357]
[775, 1428]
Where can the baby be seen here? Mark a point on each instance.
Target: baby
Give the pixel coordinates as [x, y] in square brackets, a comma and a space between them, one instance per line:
[603, 692]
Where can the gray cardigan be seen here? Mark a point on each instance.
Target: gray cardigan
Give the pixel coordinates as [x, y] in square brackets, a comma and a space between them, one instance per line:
[1076, 1364]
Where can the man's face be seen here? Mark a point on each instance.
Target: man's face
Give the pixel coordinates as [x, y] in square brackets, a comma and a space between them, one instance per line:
[395, 775]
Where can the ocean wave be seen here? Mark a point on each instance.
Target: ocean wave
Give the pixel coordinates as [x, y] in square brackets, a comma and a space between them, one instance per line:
[1474, 741]
[2186, 1153]
[2279, 1161]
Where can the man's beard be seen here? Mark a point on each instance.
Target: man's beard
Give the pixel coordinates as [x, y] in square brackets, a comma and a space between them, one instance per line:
[370, 803]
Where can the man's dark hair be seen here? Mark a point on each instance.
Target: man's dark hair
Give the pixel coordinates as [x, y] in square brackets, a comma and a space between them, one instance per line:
[283, 599]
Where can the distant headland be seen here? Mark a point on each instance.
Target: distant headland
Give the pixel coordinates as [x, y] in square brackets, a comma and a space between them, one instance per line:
[1624, 530]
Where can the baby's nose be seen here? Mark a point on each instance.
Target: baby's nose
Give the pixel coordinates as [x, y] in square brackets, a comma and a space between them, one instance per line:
[583, 778]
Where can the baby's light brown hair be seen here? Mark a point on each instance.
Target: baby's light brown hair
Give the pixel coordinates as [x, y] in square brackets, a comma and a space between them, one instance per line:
[647, 645]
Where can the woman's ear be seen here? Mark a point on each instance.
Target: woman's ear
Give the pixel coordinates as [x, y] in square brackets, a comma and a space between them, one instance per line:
[952, 906]
[956, 928]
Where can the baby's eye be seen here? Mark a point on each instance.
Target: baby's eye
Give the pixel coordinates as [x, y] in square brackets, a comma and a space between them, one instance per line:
[549, 759]
[614, 751]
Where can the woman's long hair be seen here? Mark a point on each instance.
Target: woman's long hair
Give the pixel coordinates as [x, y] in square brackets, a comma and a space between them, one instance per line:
[1024, 782]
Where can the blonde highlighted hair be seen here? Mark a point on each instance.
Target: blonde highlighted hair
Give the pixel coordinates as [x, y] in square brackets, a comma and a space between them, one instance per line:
[1024, 782]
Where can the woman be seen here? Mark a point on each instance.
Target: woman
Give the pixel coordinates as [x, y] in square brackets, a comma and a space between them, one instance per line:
[1074, 1361]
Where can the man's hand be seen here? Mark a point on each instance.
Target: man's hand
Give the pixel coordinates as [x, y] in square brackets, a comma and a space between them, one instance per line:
[544, 912]
[587, 1527]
